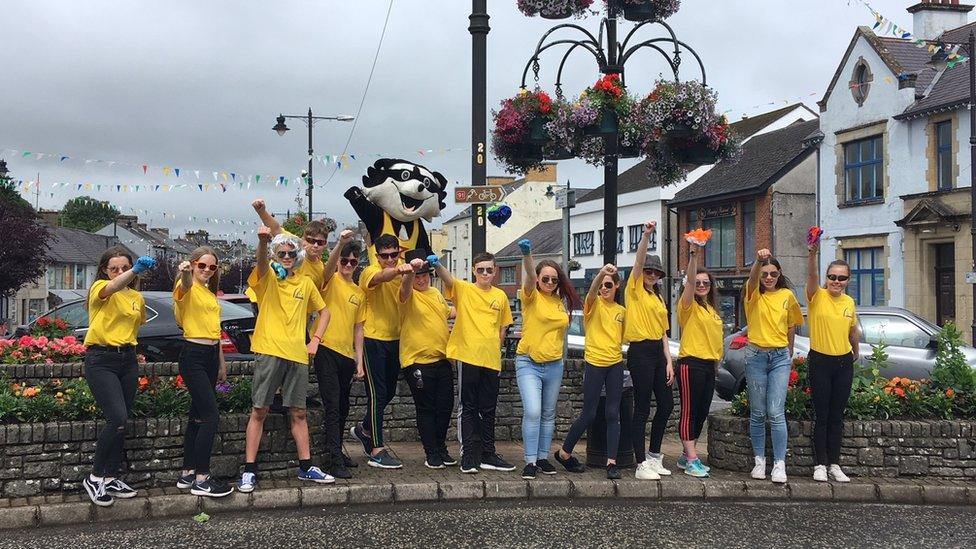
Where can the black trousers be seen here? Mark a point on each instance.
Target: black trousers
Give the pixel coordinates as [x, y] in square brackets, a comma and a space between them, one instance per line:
[334, 372]
[382, 370]
[830, 381]
[113, 377]
[595, 378]
[432, 387]
[199, 365]
[479, 398]
[649, 371]
[696, 383]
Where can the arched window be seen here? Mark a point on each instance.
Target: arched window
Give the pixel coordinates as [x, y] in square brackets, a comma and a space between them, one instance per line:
[861, 81]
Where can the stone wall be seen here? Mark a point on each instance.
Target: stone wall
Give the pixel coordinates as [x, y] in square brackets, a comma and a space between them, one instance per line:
[889, 448]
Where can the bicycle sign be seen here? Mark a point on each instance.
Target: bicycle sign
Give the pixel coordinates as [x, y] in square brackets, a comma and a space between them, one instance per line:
[479, 195]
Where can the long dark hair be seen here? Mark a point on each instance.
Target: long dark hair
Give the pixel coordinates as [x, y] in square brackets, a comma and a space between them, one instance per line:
[102, 274]
[564, 289]
[214, 282]
[781, 282]
[712, 297]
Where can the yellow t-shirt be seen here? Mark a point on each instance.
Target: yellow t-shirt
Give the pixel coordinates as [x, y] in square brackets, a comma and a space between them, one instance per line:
[251, 295]
[701, 331]
[544, 323]
[285, 306]
[114, 321]
[647, 317]
[831, 320]
[382, 311]
[198, 312]
[603, 323]
[481, 315]
[770, 315]
[312, 269]
[423, 328]
[346, 303]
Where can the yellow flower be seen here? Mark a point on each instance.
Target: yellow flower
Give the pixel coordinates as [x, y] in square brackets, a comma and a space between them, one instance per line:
[60, 394]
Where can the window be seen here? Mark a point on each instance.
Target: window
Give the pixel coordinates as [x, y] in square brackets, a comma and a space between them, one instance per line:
[635, 235]
[864, 169]
[867, 276]
[861, 82]
[67, 277]
[652, 243]
[620, 240]
[583, 243]
[74, 314]
[749, 231]
[943, 134]
[720, 251]
[508, 275]
[893, 330]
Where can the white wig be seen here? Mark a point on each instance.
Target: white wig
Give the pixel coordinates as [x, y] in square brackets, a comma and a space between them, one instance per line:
[281, 239]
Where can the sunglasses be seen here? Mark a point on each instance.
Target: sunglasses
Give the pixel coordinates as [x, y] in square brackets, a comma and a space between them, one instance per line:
[774, 274]
[651, 271]
[608, 285]
[549, 279]
[351, 262]
[388, 255]
[205, 267]
[838, 278]
[485, 270]
[703, 283]
[283, 254]
[315, 241]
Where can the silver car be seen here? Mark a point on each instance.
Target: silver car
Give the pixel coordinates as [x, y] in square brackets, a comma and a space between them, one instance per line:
[577, 338]
[910, 339]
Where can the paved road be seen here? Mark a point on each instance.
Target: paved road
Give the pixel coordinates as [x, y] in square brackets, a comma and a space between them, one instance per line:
[542, 524]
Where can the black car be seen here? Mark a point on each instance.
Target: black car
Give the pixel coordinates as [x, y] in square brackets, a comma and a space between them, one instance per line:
[160, 338]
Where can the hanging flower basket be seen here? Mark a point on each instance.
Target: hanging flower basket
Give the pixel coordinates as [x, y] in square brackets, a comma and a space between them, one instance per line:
[563, 130]
[554, 9]
[611, 102]
[644, 10]
[606, 124]
[519, 134]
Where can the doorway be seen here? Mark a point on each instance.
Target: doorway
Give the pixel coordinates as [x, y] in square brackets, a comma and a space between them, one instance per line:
[945, 283]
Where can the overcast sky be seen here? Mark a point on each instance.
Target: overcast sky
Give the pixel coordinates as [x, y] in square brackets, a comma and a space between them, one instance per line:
[197, 86]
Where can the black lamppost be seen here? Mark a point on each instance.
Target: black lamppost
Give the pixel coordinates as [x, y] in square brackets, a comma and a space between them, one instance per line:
[310, 121]
[479, 113]
[611, 57]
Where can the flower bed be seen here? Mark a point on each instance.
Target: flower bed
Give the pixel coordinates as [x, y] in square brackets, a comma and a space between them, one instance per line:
[31, 349]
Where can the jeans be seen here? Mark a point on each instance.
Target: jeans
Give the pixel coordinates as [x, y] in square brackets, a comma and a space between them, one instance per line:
[113, 378]
[479, 400]
[830, 382]
[382, 370]
[649, 371]
[432, 388]
[767, 378]
[334, 372]
[594, 379]
[539, 385]
[199, 365]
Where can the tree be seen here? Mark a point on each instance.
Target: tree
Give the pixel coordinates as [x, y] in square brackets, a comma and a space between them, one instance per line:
[160, 279]
[23, 255]
[230, 281]
[87, 214]
[296, 224]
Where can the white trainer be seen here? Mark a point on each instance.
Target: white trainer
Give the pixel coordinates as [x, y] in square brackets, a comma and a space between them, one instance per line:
[645, 472]
[778, 474]
[820, 473]
[657, 465]
[759, 471]
[838, 474]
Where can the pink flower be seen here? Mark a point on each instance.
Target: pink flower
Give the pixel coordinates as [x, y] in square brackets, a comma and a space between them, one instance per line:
[70, 340]
[25, 341]
[41, 341]
[17, 354]
[48, 361]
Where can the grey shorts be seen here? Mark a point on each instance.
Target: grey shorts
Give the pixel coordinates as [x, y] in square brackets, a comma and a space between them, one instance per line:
[272, 373]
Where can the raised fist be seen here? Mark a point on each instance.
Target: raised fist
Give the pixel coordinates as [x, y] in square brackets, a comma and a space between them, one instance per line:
[185, 267]
[143, 264]
[258, 205]
[417, 264]
[763, 254]
[345, 236]
[264, 233]
[525, 245]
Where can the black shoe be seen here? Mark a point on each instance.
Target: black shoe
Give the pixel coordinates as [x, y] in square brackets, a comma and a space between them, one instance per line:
[348, 462]
[571, 463]
[613, 472]
[545, 467]
[384, 460]
[434, 461]
[447, 458]
[529, 471]
[340, 471]
[118, 489]
[494, 462]
[185, 482]
[211, 488]
[96, 491]
[469, 465]
[357, 432]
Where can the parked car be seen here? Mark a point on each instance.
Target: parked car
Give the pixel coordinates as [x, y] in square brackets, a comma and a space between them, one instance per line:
[910, 339]
[577, 339]
[160, 339]
[240, 299]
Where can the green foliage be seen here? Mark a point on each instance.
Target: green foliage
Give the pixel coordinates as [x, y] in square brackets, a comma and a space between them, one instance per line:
[87, 214]
[296, 224]
[951, 370]
[23, 253]
[237, 399]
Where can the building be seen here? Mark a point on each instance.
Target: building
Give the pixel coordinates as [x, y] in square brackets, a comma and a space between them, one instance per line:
[894, 196]
[766, 199]
[546, 238]
[142, 240]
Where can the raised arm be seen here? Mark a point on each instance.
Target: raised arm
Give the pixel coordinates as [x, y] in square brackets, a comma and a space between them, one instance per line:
[594, 291]
[752, 283]
[649, 228]
[406, 288]
[528, 263]
[813, 271]
[186, 279]
[442, 272]
[264, 236]
[688, 293]
[266, 218]
[345, 237]
[143, 264]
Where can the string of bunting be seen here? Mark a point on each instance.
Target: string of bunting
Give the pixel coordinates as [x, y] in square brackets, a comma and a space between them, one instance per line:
[884, 26]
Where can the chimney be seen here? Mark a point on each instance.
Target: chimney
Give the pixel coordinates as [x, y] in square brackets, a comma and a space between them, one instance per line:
[161, 230]
[934, 17]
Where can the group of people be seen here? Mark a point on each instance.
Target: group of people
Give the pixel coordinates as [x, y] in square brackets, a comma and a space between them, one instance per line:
[392, 322]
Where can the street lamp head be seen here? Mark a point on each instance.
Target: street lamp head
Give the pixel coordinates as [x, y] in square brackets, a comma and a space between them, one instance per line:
[549, 193]
[304, 174]
[345, 118]
[280, 127]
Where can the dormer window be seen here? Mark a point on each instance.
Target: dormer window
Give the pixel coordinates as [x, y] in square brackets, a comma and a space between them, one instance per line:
[861, 81]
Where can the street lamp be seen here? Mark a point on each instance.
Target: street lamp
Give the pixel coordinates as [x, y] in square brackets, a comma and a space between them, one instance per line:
[310, 121]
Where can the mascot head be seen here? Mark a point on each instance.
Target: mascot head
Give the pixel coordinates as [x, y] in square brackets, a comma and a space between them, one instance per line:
[405, 190]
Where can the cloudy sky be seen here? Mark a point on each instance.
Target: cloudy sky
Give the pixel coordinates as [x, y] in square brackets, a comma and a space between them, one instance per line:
[197, 86]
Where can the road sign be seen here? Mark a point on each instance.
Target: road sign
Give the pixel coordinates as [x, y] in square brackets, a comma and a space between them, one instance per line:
[479, 195]
[565, 198]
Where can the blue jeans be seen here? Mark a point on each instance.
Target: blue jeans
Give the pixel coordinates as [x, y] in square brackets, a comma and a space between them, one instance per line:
[539, 386]
[767, 377]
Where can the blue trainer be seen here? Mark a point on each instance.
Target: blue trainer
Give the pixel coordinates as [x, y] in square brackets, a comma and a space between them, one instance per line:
[696, 469]
[315, 474]
[683, 462]
[247, 483]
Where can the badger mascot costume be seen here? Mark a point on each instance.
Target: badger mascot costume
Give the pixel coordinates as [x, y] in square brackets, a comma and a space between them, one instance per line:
[396, 196]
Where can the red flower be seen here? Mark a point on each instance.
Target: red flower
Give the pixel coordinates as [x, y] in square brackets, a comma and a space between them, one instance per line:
[60, 324]
[43, 322]
[178, 382]
[794, 377]
[808, 390]
[950, 393]
[899, 391]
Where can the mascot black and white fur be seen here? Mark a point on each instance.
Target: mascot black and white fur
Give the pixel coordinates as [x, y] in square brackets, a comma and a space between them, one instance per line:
[396, 195]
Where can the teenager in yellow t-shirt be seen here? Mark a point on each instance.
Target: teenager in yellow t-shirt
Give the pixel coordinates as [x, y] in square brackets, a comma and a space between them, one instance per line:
[115, 312]
[548, 298]
[698, 356]
[772, 314]
[202, 366]
[603, 323]
[315, 239]
[483, 316]
[834, 337]
[423, 353]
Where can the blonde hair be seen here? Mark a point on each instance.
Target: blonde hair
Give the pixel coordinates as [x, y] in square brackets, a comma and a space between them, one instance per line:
[214, 282]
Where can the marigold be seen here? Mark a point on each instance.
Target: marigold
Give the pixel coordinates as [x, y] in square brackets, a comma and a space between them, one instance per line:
[950, 393]
[899, 391]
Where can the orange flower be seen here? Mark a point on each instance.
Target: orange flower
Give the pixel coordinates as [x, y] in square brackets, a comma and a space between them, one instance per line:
[899, 391]
[698, 236]
[31, 392]
[143, 383]
[950, 393]
[895, 380]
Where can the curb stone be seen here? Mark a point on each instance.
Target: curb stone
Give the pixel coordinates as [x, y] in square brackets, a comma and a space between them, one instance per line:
[724, 489]
[550, 489]
[370, 493]
[420, 491]
[900, 493]
[276, 498]
[64, 513]
[854, 491]
[649, 489]
[593, 489]
[506, 489]
[805, 491]
[461, 489]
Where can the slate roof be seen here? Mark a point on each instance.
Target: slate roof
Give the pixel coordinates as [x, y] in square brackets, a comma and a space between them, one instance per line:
[77, 246]
[764, 160]
[546, 238]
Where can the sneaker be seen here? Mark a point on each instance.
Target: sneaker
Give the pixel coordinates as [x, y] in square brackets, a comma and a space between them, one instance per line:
[434, 461]
[348, 462]
[645, 472]
[778, 474]
[384, 460]
[340, 471]
[185, 482]
[118, 489]
[683, 462]
[315, 474]
[468, 465]
[759, 469]
[695, 469]
[656, 464]
[613, 472]
[494, 462]
[529, 471]
[247, 483]
[545, 467]
[96, 491]
[357, 433]
[838, 474]
[820, 473]
[571, 464]
[212, 488]
[447, 458]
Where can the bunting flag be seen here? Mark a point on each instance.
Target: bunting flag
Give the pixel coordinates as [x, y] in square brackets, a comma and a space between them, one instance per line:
[887, 26]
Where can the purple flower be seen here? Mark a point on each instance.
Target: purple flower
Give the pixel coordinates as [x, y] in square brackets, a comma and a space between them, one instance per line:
[223, 387]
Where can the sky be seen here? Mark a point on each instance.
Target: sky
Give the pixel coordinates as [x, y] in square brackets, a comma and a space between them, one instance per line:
[197, 86]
